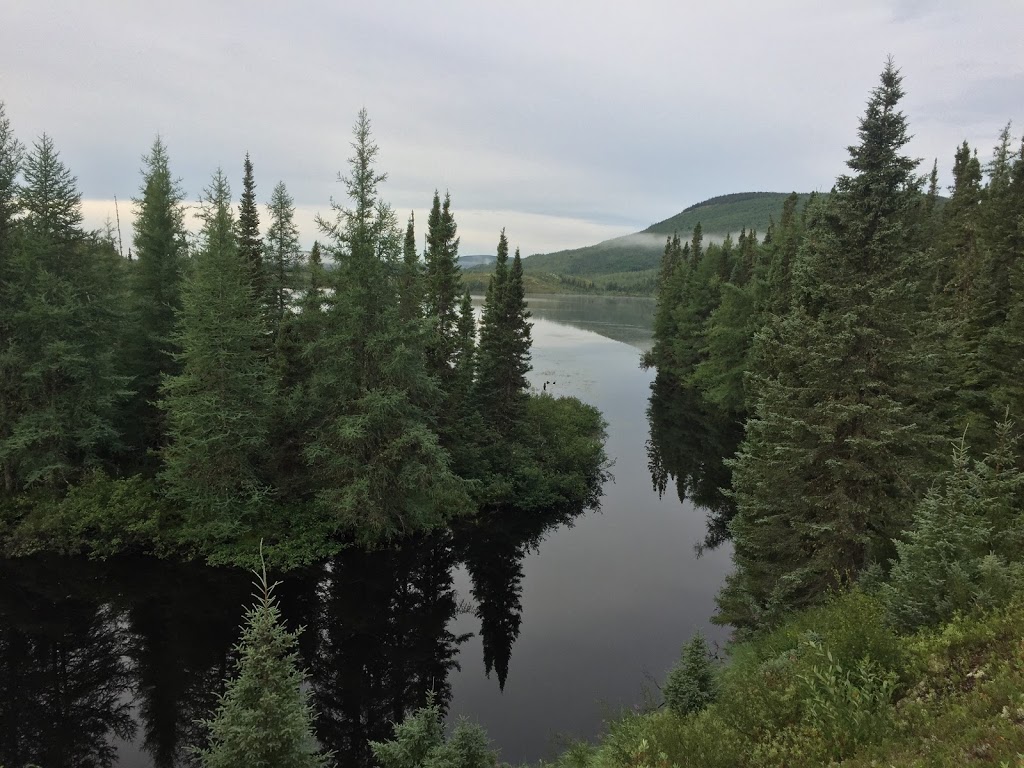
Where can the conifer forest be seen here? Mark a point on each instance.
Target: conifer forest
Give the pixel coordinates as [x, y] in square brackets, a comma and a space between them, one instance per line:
[840, 397]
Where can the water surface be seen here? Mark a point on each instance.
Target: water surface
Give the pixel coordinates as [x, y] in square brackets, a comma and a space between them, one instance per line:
[576, 614]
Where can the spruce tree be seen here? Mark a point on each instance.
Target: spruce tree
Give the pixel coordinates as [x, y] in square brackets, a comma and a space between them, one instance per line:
[250, 246]
[503, 359]
[11, 155]
[379, 468]
[264, 718]
[280, 258]
[217, 407]
[442, 286]
[61, 354]
[838, 447]
[160, 252]
[411, 290]
[691, 684]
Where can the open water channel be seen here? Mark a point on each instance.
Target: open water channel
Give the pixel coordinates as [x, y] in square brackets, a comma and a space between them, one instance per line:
[540, 634]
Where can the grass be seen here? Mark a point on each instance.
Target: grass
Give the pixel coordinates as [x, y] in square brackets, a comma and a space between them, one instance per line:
[834, 686]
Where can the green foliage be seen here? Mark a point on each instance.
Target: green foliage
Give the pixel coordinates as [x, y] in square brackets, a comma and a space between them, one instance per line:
[613, 260]
[840, 384]
[218, 406]
[62, 382]
[504, 354]
[250, 247]
[419, 742]
[690, 686]
[280, 258]
[546, 472]
[376, 462]
[156, 280]
[263, 718]
[962, 551]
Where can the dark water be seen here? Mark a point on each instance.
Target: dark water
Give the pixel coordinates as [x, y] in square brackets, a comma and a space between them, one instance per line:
[574, 612]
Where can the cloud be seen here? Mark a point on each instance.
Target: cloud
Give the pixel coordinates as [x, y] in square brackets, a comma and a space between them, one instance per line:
[604, 114]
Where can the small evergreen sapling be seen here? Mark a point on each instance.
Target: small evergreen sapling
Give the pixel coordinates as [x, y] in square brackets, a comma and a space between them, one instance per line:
[264, 719]
[420, 743]
[691, 683]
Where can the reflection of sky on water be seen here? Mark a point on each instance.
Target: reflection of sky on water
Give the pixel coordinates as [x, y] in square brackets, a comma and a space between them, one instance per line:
[610, 600]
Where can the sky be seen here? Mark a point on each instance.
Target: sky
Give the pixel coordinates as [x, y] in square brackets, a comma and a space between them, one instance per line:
[566, 122]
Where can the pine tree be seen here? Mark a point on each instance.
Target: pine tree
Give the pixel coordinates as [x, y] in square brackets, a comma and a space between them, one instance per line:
[280, 258]
[217, 407]
[250, 246]
[160, 252]
[837, 448]
[264, 718]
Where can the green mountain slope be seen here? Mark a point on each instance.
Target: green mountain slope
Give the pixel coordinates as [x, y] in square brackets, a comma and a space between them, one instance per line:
[723, 215]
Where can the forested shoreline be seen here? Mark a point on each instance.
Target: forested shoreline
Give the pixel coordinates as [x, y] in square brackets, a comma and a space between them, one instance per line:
[843, 396]
[214, 391]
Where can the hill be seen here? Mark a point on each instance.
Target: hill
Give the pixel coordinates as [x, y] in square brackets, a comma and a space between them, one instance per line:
[718, 216]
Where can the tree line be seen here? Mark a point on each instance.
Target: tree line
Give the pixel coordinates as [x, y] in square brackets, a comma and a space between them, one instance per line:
[219, 389]
[835, 360]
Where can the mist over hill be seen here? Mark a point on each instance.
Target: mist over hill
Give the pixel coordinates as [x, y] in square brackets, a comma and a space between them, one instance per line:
[628, 264]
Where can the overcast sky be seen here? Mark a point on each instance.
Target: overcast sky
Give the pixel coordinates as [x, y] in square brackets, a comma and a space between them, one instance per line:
[565, 122]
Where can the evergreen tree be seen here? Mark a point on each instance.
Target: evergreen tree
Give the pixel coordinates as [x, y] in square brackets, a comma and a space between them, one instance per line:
[411, 291]
[379, 467]
[280, 258]
[60, 355]
[963, 550]
[159, 244]
[250, 246]
[264, 718]
[503, 358]
[11, 155]
[217, 407]
[836, 414]
[443, 284]
[420, 742]
[691, 684]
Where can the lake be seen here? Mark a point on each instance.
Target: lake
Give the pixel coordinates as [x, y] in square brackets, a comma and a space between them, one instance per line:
[539, 632]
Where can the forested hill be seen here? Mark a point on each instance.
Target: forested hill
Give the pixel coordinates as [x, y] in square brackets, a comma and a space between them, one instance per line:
[727, 214]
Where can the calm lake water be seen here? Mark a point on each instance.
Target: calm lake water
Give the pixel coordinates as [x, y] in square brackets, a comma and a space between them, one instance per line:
[110, 664]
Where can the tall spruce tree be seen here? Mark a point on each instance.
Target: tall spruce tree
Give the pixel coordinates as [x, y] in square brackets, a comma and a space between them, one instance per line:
[61, 352]
[503, 359]
[217, 406]
[380, 470]
[837, 449]
[443, 286]
[280, 258]
[411, 289]
[160, 252]
[250, 246]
